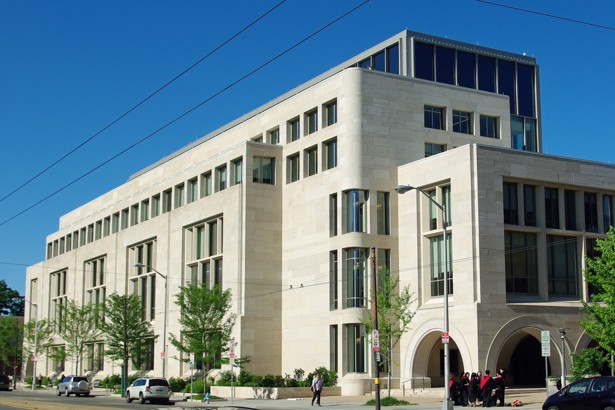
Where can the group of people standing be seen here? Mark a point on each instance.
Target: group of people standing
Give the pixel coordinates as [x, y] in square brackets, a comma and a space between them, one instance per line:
[477, 389]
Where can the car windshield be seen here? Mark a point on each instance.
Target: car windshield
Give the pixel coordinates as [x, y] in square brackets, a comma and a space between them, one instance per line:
[158, 382]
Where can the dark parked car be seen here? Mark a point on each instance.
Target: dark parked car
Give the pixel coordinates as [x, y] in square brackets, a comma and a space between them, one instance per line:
[76, 385]
[5, 382]
[585, 394]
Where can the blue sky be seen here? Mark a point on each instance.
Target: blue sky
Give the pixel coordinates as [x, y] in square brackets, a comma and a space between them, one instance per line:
[69, 68]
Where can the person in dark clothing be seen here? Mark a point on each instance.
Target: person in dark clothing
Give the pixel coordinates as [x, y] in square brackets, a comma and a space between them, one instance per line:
[465, 385]
[473, 390]
[488, 385]
[500, 387]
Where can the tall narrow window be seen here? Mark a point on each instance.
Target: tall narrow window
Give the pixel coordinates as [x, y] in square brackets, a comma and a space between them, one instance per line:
[311, 121]
[382, 211]
[155, 205]
[167, 200]
[591, 212]
[237, 171]
[311, 161]
[58, 292]
[203, 252]
[293, 168]
[333, 347]
[330, 150]
[179, 195]
[570, 209]
[356, 277]
[333, 295]
[529, 204]
[434, 117]
[125, 219]
[143, 277]
[356, 349]
[134, 214]
[293, 130]
[562, 266]
[521, 262]
[221, 178]
[332, 214]
[511, 212]
[437, 265]
[330, 112]
[193, 193]
[551, 208]
[607, 212]
[144, 210]
[205, 184]
[433, 209]
[446, 199]
[356, 210]
[274, 136]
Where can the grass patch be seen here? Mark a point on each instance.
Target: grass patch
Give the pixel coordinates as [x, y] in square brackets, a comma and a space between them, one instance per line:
[390, 401]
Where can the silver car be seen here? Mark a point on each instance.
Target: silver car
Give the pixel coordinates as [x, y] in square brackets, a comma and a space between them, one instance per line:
[77, 385]
[149, 389]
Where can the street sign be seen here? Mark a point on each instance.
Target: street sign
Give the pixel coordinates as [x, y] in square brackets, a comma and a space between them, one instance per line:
[162, 355]
[545, 343]
[445, 338]
[375, 340]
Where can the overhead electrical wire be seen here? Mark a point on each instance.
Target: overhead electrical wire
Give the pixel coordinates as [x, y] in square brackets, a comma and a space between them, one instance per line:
[546, 15]
[140, 103]
[185, 113]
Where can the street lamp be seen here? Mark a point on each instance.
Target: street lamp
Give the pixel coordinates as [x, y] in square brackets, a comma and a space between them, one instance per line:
[447, 404]
[35, 339]
[562, 334]
[164, 326]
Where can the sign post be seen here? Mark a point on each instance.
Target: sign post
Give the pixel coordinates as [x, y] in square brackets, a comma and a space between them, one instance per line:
[545, 344]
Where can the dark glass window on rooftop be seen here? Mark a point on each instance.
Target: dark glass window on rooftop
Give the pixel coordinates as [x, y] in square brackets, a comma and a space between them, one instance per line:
[466, 69]
[525, 89]
[506, 81]
[393, 59]
[486, 73]
[378, 63]
[445, 65]
[423, 61]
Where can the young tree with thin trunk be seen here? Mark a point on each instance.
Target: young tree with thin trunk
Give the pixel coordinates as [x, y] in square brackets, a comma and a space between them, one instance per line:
[80, 326]
[126, 333]
[205, 323]
[394, 317]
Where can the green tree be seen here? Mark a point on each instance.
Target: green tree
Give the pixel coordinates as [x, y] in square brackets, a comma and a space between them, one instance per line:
[79, 327]
[394, 317]
[38, 337]
[599, 313]
[205, 323]
[587, 362]
[126, 332]
[10, 301]
[11, 337]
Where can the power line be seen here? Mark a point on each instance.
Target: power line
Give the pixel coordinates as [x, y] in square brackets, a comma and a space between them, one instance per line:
[185, 113]
[547, 15]
[140, 103]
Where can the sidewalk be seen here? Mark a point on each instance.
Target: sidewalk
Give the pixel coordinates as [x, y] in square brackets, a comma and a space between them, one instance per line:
[532, 400]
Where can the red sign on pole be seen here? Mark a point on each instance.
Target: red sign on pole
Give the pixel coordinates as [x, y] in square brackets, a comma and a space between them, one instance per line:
[445, 338]
[162, 355]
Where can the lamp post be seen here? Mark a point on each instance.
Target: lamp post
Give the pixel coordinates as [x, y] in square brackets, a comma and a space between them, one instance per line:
[164, 325]
[562, 334]
[35, 340]
[447, 404]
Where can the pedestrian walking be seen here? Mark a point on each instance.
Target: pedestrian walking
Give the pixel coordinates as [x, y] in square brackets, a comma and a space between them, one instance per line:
[316, 389]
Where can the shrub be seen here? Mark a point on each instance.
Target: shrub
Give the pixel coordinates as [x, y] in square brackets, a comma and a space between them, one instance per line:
[197, 386]
[177, 384]
[111, 381]
[329, 377]
[388, 401]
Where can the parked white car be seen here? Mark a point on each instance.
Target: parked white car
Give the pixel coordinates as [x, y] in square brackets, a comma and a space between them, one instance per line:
[149, 389]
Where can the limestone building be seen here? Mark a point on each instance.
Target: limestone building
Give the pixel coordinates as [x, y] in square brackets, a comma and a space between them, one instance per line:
[283, 205]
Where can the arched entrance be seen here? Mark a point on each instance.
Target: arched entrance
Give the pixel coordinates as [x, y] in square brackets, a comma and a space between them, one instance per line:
[527, 366]
[429, 359]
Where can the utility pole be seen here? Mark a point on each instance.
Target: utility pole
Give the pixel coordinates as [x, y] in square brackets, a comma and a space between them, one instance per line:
[375, 337]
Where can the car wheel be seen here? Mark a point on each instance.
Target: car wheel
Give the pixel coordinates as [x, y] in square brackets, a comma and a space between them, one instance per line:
[141, 398]
[609, 408]
[553, 408]
[66, 392]
[78, 394]
[58, 393]
[128, 399]
[87, 394]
